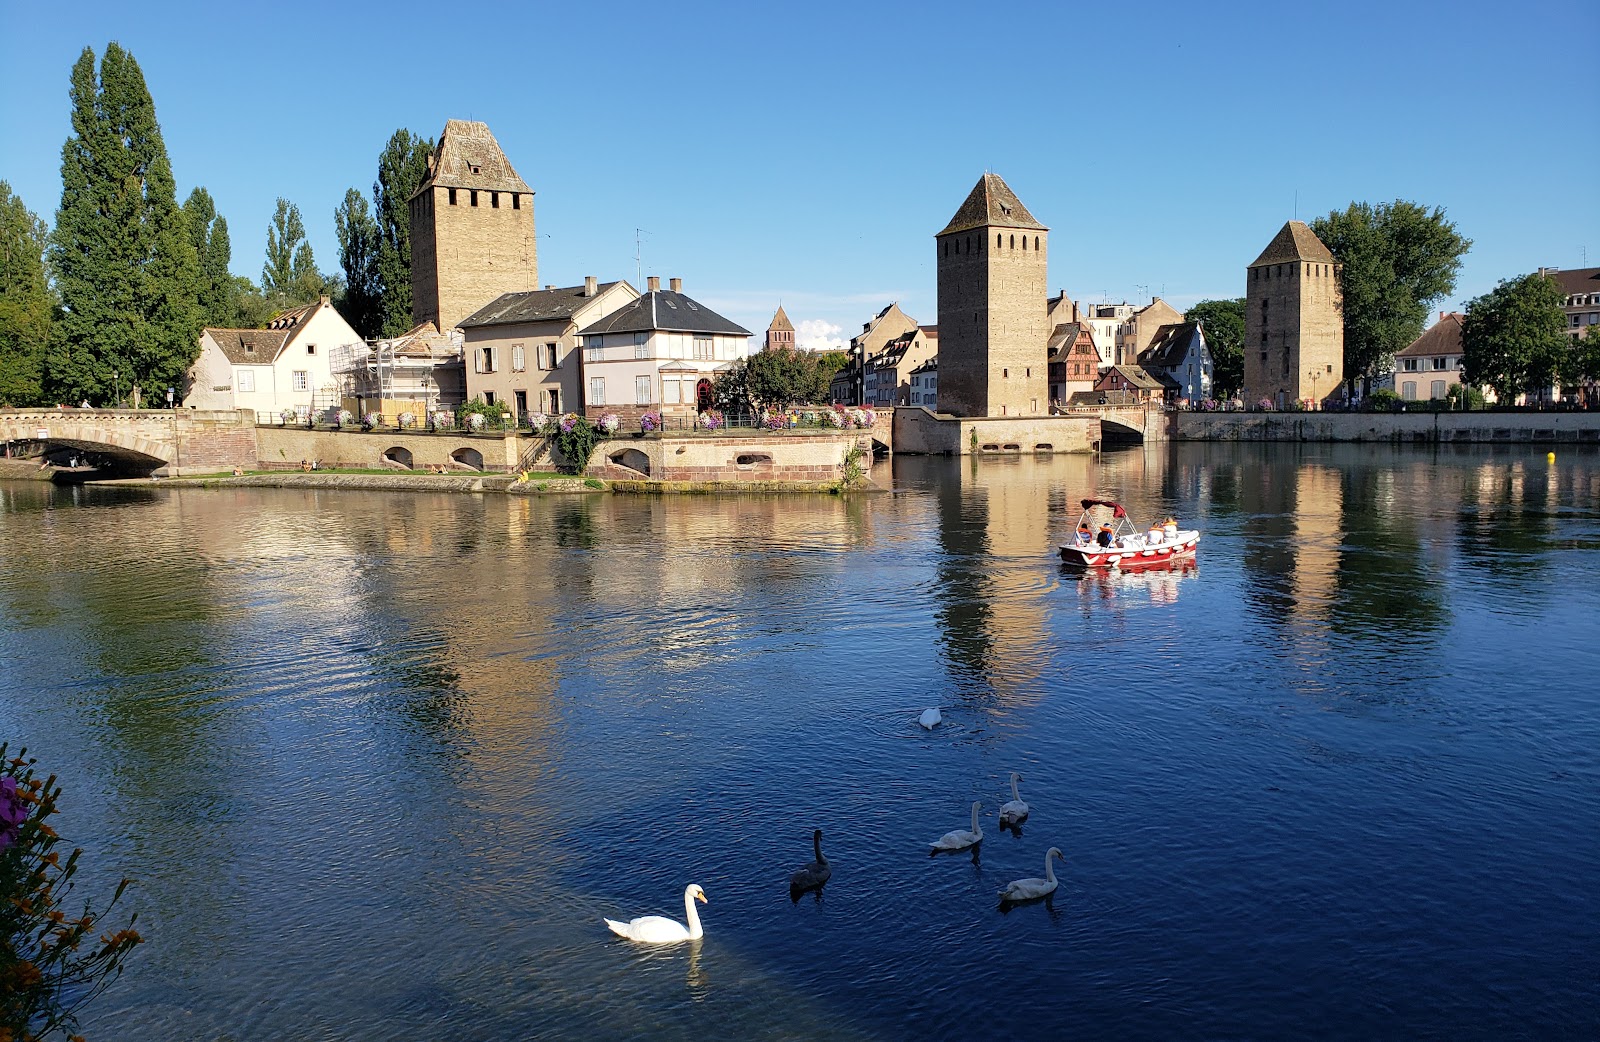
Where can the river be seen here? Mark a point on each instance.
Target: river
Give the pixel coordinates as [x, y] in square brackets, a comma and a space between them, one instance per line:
[380, 763]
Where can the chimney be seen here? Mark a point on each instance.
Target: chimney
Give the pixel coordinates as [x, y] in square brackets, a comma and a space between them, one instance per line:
[1441, 316]
[549, 285]
[590, 285]
[677, 285]
[325, 299]
[654, 284]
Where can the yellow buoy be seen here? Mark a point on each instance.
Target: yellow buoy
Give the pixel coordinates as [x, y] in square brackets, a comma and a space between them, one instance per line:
[1550, 457]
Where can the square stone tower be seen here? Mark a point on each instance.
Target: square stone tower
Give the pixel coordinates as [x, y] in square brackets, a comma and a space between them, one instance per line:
[472, 235]
[993, 329]
[1293, 322]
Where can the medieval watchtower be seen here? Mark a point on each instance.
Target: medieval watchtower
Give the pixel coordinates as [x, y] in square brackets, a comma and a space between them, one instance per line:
[1294, 327]
[992, 323]
[472, 235]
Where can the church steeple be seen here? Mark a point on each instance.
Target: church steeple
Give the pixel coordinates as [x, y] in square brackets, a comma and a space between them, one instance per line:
[780, 332]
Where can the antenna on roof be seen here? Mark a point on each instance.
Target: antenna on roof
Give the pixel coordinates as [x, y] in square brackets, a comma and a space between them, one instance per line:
[638, 253]
[1297, 204]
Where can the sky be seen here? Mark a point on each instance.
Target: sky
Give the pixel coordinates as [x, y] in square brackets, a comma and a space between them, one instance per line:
[807, 154]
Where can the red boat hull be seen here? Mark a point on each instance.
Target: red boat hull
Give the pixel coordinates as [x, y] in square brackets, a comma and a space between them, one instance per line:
[1132, 556]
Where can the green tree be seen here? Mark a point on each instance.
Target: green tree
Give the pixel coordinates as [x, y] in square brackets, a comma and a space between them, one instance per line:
[120, 254]
[829, 363]
[26, 302]
[782, 376]
[362, 301]
[1397, 260]
[401, 168]
[208, 232]
[1222, 323]
[290, 266]
[1514, 338]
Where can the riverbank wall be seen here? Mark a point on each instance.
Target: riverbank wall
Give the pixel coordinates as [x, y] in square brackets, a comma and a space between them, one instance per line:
[918, 431]
[1466, 428]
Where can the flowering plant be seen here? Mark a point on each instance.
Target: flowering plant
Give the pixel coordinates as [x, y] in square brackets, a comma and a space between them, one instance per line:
[1265, 403]
[650, 421]
[609, 423]
[865, 418]
[710, 420]
[837, 417]
[568, 422]
[288, 416]
[475, 420]
[809, 418]
[371, 420]
[776, 421]
[1209, 404]
[408, 419]
[45, 974]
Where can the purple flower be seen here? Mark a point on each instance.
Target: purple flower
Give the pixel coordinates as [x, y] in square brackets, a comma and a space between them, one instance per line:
[13, 812]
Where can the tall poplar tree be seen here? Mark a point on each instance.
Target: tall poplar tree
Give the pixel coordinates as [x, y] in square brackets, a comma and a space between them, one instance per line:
[401, 168]
[26, 302]
[288, 253]
[362, 302]
[208, 231]
[121, 255]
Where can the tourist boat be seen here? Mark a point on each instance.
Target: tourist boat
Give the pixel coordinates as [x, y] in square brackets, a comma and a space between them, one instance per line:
[1130, 547]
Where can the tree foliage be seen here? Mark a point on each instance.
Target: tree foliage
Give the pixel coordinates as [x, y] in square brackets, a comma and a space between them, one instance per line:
[120, 254]
[401, 168]
[1514, 338]
[1222, 324]
[773, 379]
[362, 302]
[291, 270]
[26, 302]
[208, 232]
[1398, 259]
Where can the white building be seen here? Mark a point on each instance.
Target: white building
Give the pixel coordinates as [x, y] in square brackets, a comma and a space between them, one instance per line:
[925, 384]
[285, 367]
[657, 353]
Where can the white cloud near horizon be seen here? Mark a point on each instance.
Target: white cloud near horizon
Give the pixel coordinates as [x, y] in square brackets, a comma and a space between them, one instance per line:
[815, 334]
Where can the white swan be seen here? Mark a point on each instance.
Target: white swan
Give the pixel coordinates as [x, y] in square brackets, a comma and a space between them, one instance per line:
[1013, 812]
[930, 718]
[812, 876]
[658, 929]
[1029, 889]
[960, 839]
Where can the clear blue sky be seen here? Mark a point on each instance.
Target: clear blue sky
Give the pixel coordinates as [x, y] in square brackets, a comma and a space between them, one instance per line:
[808, 153]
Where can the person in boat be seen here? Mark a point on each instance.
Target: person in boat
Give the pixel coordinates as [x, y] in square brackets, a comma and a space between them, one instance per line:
[1105, 536]
[1085, 534]
[1170, 528]
[1153, 536]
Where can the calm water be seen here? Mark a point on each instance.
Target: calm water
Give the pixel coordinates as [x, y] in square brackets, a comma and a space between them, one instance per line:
[380, 763]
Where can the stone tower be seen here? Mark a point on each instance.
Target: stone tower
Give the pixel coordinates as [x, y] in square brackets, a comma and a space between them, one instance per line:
[472, 235]
[993, 328]
[781, 332]
[1293, 325]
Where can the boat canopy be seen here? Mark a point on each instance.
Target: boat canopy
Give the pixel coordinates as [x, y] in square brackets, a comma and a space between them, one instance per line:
[1116, 508]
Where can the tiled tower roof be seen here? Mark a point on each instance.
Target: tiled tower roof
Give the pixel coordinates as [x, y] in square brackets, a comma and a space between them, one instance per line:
[781, 321]
[992, 203]
[468, 156]
[1295, 242]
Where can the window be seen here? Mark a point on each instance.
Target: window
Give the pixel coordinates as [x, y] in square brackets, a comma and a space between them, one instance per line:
[593, 352]
[300, 380]
[246, 380]
[1436, 390]
[488, 397]
[641, 390]
[311, 349]
[550, 359]
[474, 197]
[521, 398]
[519, 360]
[485, 359]
[597, 390]
[452, 197]
[494, 200]
[516, 201]
[552, 401]
[1005, 374]
[1408, 390]
[1438, 363]
[703, 347]
[641, 345]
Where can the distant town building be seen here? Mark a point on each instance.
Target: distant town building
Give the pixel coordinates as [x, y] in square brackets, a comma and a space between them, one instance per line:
[991, 282]
[472, 232]
[1431, 364]
[888, 376]
[925, 384]
[1178, 356]
[418, 372]
[1105, 322]
[521, 348]
[1129, 385]
[657, 353]
[848, 386]
[287, 366]
[1139, 329]
[1580, 290]
[780, 333]
[1294, 329]
[1074, 361]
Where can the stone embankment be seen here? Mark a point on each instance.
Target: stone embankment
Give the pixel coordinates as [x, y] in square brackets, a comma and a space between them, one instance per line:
[1459, 428]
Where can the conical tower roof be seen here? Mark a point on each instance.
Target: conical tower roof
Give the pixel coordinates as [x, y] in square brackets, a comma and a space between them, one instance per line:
[468, 156]
[992, 204]
[781, 321]
[1294, 242]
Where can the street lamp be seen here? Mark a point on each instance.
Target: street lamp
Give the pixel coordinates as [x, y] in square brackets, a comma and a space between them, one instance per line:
[1314, 399]
[115, 389]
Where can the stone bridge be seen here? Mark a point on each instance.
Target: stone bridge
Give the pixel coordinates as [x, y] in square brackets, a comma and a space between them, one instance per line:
[177, 441]
[1126, 422]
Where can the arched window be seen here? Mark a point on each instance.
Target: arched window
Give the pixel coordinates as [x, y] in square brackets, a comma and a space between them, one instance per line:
[1024, 242]
[1013, 242]
[997, 243]
[1036, 242]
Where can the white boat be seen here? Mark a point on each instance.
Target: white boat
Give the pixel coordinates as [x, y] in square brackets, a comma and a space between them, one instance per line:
[1107, 538]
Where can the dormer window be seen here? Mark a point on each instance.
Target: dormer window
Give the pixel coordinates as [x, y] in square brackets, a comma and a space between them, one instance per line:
[475, 168]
